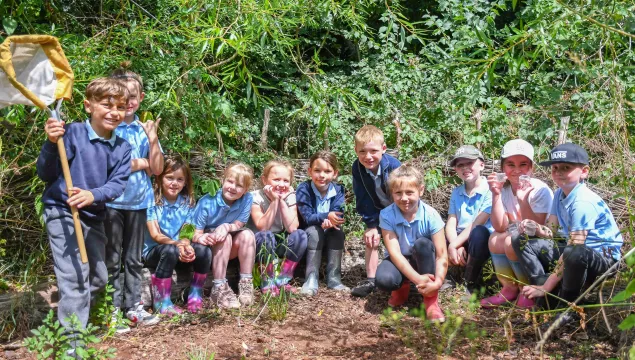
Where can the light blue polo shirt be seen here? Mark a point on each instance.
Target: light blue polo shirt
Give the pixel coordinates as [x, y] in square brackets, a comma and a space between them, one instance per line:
[324, 203]
[466, 207]
[583, 209]
[92, 135]
[384, 198]
[212, 211]
[138, 194]
[427, 222]
[171, 217]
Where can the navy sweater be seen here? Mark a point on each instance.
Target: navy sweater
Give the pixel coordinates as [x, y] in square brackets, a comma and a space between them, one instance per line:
[367, 202]
[95, 165]
[307, 204]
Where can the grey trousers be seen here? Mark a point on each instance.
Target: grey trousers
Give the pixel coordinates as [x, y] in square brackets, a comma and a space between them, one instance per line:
[125, 230]
[76, 282]
[538, 256]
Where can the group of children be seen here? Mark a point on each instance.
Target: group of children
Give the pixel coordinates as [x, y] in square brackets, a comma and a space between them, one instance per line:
[127, 221]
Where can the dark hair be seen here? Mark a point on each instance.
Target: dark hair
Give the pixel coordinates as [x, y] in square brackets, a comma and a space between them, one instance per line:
[327, 156]
[172, 164]
[127, 75]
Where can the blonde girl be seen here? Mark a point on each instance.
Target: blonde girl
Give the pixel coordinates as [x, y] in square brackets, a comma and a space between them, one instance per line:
[274, 212]
[219, 220]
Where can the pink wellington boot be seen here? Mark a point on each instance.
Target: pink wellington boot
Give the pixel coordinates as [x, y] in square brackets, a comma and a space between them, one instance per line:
[506, 294]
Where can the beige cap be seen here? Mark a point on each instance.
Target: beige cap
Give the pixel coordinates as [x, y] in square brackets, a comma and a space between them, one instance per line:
[518, 147]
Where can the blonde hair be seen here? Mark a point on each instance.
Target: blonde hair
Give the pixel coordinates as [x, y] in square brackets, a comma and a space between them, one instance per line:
[102, 88]
[241, 172]
[127, 75]
[273, 163]
[367, 134]
[172, 164]
[405, 175]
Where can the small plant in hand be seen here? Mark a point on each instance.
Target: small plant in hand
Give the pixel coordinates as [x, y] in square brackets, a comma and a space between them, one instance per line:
[49, 341]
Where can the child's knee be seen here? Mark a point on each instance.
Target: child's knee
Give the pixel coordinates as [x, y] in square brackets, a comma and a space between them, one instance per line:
[298, 237]
[387, 280]
[423, 245]
[573, 254]
[171, 253]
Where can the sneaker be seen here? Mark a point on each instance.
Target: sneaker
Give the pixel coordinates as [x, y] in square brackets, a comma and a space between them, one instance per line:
[448, 284]
[246, 292]
[223, 296]
[138, 315]
[118, 323]
[364, 288]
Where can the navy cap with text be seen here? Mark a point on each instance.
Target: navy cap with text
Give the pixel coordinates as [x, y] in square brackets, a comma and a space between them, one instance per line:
[567, 153]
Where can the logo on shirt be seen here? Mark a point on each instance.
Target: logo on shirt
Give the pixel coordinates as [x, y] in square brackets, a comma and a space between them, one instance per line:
[558, 155]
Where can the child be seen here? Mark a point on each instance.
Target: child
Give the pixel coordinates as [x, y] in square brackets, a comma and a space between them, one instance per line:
[468, 227]
[126, 216]
[163, 250]
[274, 212]
[512, 202]
[415, 242]
[594, 240]
[99, 163]
[321, 208]
[219, 222]
[370, 177]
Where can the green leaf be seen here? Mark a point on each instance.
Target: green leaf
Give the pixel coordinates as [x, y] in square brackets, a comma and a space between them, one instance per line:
[9, 25]
[627, 293]
[628, 323]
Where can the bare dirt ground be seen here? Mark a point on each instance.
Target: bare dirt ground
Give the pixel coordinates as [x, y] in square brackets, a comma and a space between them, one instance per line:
[334, 325]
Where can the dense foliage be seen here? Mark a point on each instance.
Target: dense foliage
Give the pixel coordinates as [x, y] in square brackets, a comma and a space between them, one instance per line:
[431, 75]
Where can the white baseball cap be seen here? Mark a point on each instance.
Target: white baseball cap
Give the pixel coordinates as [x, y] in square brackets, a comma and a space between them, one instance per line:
[518, 147]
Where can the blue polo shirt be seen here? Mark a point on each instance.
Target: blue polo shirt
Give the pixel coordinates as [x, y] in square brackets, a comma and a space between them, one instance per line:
[466, 207]
[323, 203]
[583, 209]
[427, 222]
[212, 211]
[171, 217]
[138, 194]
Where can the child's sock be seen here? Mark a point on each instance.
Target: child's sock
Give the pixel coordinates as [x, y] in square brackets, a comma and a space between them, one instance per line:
[520, 273]
[503, 267]
[246, 276]
[217, 283]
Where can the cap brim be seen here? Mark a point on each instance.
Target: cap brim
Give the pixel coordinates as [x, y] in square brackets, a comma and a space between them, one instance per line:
[551, 162]
[468, 157]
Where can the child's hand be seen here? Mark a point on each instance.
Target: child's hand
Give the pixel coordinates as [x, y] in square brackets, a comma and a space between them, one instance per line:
[272, 195]
[336, 219]
[151, 128]
[79, 197]
[186, 253]
[220, 232]
[54, 129]
[522, 193]
[533, 291]
[453, 255]
[205, 239]
[494, 185]
[371, 237]
[427, 284]
[326, 224]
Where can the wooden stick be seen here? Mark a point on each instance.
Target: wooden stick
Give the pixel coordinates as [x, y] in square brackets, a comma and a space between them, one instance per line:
[69, 184]
[265, 128]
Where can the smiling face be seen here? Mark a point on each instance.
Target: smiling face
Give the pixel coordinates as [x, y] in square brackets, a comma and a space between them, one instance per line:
[322, 173]
[172, 184]
[136, 97]
[468, 170]
[370, 154]
[515, 166]
[279, 178]
[233, 189]
[567, 175]
[105, 114]
[406, 195]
